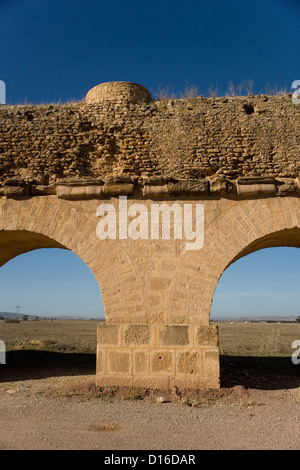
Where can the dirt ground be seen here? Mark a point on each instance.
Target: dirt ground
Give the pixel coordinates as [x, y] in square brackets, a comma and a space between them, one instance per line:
[57, 411]
[49, 401]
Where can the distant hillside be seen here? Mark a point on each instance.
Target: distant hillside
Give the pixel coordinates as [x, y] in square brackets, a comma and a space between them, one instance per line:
[32, 317]
[13, 315]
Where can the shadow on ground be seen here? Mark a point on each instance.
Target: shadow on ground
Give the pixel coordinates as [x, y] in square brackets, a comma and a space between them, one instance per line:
[263, 373]
[33, 364]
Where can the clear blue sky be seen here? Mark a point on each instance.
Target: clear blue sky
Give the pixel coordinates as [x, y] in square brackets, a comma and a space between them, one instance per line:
[56, 50]
[261, 284]
[50, 282]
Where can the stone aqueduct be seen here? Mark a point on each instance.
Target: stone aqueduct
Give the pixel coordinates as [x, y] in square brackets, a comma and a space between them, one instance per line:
[239, 156]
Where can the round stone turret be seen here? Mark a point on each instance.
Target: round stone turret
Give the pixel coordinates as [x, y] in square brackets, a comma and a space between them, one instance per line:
[119, 92]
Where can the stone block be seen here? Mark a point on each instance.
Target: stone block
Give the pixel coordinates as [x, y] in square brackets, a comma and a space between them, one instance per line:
[153, 383]
[93, 191]
[209, 383]
[260, 186]
[137, 335]
[119, 362]
[186, 383]
[114, 381]
[189, 362]
[101, 361]
[162, 362]
[108, 335]
[175, 336]
[178, 318]
[116, 189]
[15, 188]
[152, 191]
[141, 362]
[186, 187]
[158, 283]
[211, 364]
[207, 335]
[63, 192]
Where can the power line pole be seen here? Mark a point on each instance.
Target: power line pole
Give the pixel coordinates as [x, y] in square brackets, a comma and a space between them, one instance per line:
[17, 311]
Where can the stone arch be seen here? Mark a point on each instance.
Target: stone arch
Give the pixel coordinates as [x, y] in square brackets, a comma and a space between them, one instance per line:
[234, 229]
[48, 222]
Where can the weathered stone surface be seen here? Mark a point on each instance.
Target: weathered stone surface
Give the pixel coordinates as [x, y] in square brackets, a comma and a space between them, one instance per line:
[121, 92]
[92, 189]
[220, 186]
[114, 189]
[211, 366]
[15, 188]
[108, 335]
[161, 188]
[137, 335]
[261, 186]
[119, 362]
[286, 186]
[189, 363]
[253, 180]
[155, 191]
[189, 187]
[41, 190]
[101, 361]
[179, 148]
[158, 283]
[162, 361]
[207, 335]
[141, 363]
[174, 336]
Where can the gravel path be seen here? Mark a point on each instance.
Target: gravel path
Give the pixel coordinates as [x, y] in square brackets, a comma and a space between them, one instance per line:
[67, 413]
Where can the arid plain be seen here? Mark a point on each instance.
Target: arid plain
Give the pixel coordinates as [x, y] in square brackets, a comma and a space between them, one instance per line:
[49, 399]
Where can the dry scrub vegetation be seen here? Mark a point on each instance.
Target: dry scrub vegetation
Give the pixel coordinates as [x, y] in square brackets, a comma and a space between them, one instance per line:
[245, 88]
